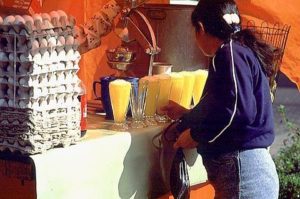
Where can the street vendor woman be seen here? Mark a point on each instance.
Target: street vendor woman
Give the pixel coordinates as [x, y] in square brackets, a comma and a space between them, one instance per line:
[232, 126]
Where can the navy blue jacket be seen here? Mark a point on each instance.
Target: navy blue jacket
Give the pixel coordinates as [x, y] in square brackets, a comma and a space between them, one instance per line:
[235, 112]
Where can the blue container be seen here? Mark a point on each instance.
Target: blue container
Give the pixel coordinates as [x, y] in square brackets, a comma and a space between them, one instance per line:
[104, 82]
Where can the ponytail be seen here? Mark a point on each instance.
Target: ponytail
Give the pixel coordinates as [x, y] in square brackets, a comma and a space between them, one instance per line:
[221, 19]
[264, 52]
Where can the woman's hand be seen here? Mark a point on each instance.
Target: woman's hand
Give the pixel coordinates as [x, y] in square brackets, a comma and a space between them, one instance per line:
[185, 141]
[174, 110]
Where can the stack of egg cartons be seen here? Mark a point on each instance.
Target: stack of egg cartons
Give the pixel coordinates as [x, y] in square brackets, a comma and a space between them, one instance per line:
[39, 86]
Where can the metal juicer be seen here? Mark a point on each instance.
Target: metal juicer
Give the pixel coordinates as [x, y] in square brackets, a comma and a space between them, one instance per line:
[139, 45]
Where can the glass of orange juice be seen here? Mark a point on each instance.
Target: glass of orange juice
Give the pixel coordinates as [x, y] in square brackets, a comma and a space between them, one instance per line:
[151, 98]
[163, 96]
[200, 80]
[177, 81]
[187, 93]
[119, 91]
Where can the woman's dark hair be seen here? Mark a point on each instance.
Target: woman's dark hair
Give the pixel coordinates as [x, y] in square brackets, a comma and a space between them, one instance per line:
[210, 13]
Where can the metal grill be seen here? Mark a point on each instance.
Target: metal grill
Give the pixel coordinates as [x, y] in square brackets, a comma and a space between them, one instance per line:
[275, 35]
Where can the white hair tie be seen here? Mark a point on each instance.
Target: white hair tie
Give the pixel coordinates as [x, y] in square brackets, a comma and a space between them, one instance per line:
[235, 18]
[231, 18]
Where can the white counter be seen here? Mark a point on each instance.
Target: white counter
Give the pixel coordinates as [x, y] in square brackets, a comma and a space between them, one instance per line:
[107, 166]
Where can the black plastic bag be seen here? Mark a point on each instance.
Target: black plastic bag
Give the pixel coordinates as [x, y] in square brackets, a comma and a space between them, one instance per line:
[179, 177]
[172, 162]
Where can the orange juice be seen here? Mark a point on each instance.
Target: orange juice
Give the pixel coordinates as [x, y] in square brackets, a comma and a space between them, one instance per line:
[152, 93]
[177, 81]
[164, 91]
[200, 80]
[119, 91]
[187, 93]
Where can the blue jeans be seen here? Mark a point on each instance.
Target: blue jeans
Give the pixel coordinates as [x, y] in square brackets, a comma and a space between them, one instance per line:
[245, 174]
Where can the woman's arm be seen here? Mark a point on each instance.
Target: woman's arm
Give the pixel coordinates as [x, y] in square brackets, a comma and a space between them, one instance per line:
[231, 103]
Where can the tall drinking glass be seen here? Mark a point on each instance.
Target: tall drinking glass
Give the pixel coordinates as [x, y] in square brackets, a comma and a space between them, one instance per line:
[119, 91]
[137, 104]
[177, 81]
[163, 96]
[151, 99]
[187, 93]
[200, 80]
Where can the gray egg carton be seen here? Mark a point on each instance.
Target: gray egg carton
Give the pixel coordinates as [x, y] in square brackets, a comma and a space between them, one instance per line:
[39, 85]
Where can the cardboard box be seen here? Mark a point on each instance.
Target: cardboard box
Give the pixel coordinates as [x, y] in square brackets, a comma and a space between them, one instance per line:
[20, 6]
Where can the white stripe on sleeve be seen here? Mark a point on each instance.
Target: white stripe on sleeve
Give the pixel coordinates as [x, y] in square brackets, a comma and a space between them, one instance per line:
[236, 95]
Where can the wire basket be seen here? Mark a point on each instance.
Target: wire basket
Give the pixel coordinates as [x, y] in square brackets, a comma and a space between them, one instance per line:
[275, 35]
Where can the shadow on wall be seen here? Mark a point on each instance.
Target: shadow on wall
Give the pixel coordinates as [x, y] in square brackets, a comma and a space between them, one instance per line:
[142, 176]
[284, 81]
[139, 180]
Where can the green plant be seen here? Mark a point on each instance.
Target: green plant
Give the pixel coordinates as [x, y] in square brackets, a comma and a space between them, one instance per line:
[287, 161]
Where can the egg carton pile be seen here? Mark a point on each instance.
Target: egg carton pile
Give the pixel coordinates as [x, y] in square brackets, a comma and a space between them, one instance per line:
[39, 86]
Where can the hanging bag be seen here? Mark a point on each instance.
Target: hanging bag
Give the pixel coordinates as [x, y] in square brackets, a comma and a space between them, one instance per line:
[179, 177]
[173, 164]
